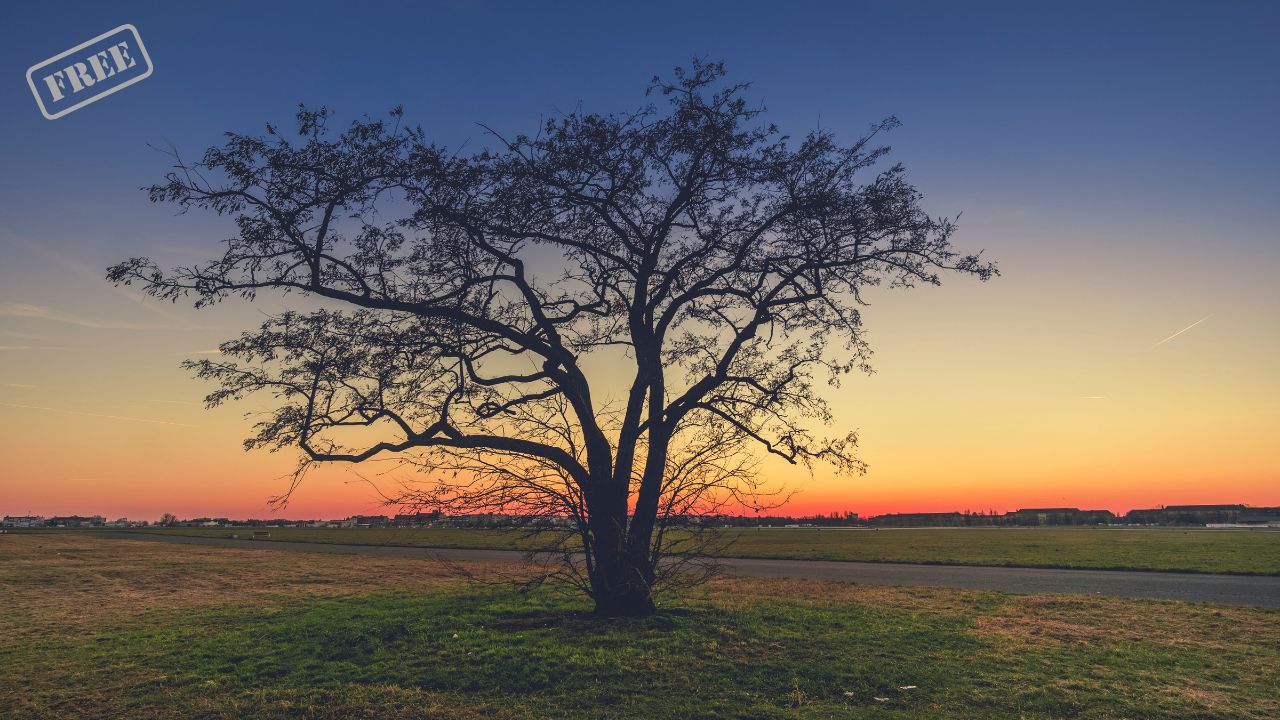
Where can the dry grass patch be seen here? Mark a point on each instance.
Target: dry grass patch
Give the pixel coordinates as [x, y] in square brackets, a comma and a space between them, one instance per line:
[56, 583]
[1034, 619]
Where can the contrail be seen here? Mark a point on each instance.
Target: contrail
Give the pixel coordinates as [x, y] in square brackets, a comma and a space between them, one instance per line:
[98, 415]
[1206, 317]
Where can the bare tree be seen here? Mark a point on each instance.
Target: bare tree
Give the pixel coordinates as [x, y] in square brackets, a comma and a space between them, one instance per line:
[475, 310]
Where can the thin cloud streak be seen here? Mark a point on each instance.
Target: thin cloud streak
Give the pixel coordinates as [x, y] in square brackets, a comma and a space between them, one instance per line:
[25, 336]
[95, 276]
[97, 415]
[39, 312]
[1206, 317]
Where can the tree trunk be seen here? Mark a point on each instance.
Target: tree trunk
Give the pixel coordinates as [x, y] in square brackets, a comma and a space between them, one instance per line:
[620, 582]
[619, 588]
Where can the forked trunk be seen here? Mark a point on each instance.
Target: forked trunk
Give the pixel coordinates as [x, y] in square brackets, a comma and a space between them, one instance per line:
[621, 580]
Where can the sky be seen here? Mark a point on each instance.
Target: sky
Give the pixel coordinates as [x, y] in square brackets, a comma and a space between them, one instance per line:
[1118, 160]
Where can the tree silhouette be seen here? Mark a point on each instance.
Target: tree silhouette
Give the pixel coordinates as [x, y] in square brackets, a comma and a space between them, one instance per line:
[474, 310]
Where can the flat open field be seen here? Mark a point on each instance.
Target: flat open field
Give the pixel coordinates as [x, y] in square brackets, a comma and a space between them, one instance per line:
[1254, 552]
[112, 628]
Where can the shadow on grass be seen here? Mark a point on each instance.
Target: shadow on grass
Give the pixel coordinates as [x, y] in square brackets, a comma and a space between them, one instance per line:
[500, 654]
[542, 653]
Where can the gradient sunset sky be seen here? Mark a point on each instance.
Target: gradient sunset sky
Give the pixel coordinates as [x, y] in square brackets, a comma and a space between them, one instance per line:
[1120, 161]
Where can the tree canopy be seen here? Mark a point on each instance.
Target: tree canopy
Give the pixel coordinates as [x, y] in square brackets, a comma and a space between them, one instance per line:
[709, 266]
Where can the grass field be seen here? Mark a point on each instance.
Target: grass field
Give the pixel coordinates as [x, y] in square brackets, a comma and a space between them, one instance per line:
[1189, 550]
[112, 628]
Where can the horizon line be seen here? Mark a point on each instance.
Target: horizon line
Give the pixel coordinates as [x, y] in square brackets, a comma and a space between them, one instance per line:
[814, 515]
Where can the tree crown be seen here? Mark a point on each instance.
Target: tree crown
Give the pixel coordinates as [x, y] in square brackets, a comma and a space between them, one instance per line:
[720, 262]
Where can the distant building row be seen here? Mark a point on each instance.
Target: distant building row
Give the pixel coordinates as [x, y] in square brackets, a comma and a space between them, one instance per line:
[1210, 515]
[67, 521]
[417, 519]
[1235, 515]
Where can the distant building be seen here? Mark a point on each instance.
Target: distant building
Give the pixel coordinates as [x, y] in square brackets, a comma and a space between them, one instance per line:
[370, 521]
[476, 520]
[1058, 516]
[1260, 517]
[1143, 517]
[22, 521]
[1187, 515]
[1202, 514]
[938, 519]
[416, 519]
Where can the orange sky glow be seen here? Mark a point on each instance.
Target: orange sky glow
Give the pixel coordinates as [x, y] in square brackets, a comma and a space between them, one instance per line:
[1030, 390]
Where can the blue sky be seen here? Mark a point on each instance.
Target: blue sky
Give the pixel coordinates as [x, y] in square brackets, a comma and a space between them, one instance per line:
[1115, 108]
[1089, 98]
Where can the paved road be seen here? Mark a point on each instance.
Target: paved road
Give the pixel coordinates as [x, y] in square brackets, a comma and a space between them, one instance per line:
[1263, 591]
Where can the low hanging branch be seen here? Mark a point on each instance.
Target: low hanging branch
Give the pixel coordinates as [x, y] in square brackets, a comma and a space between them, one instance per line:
[711, 264]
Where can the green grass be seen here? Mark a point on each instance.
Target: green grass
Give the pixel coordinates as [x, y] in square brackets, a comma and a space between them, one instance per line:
[1181, 550]
[542, 654]
[97, 628]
